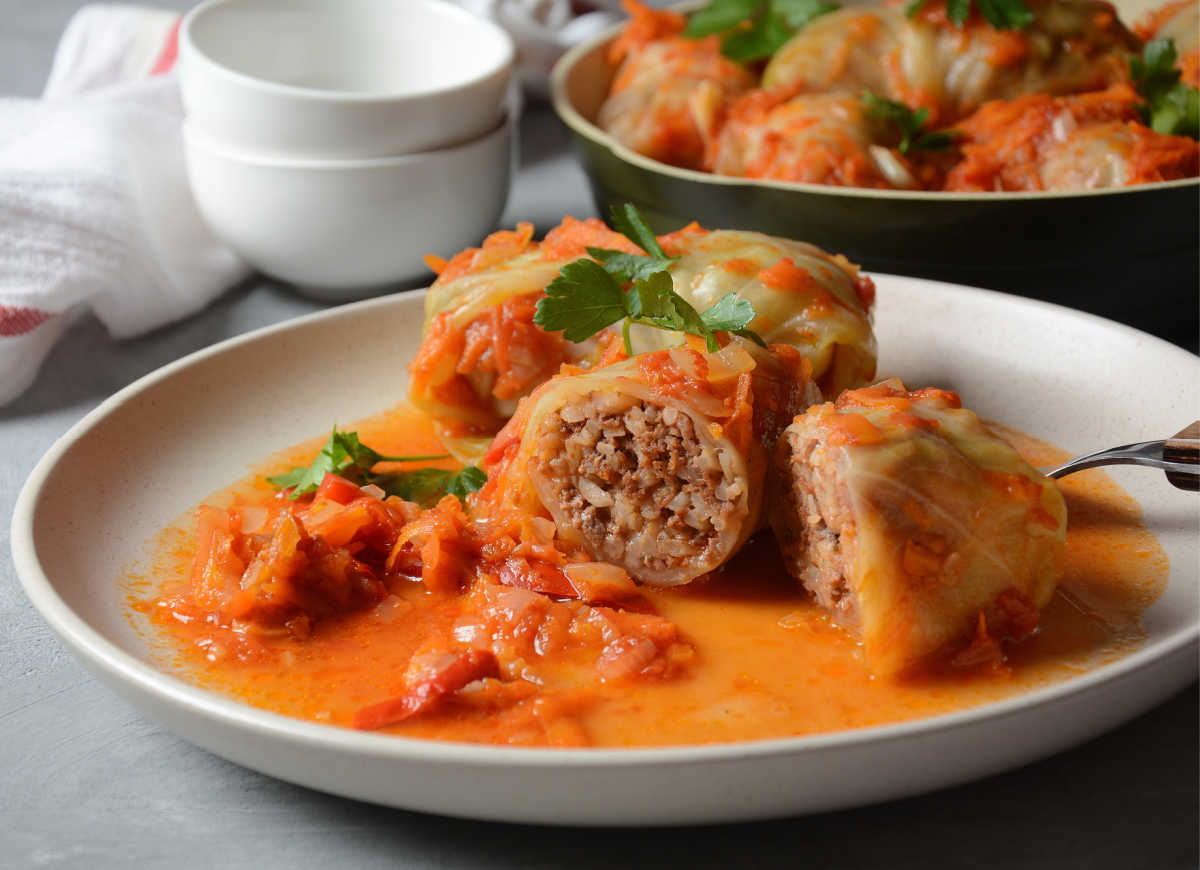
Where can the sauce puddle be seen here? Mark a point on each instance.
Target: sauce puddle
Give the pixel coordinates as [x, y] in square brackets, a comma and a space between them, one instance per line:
[767, 662]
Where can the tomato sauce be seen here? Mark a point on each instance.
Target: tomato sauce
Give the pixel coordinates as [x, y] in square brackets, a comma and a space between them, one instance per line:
[742, 655]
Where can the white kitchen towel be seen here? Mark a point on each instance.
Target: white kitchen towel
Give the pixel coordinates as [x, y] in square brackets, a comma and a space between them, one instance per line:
[95, 208]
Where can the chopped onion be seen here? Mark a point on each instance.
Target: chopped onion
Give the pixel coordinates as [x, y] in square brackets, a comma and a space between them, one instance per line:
[373, 491]
[625, 657]
[254, 519]
[1063, 126]
[326, 510]
[892, 167]
[543, 529]
[600, 581]
[391, 607]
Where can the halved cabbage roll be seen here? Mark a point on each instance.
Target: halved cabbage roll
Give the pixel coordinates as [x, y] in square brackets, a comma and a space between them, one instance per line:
[914, 525]
[926, 61]
[655, 464]
[669, 92]
[1081, 142]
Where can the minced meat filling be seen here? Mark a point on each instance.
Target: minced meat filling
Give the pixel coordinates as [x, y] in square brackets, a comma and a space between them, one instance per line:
[814, 513]
[635, 481]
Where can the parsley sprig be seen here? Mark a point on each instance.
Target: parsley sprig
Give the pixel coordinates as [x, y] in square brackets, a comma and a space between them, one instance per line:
[345, 455]
[1001, 14]
[1171, 106]
[755, 29]
[426, 486]
[589, 296]
[910, 123]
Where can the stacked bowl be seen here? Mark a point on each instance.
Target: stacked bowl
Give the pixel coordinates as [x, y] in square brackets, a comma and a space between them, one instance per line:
[333, 143]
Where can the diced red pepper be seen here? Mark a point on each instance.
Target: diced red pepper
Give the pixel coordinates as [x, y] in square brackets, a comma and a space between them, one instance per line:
[338, 489]
[432, 685]
[536, 576]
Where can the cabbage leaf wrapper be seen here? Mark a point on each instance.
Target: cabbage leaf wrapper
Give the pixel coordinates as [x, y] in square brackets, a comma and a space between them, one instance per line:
[815, 302]
[656, 463]
[916, 526]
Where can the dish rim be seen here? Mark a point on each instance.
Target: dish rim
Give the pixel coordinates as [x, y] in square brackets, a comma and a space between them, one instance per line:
[101, 654]
[581, 126]
[504, 68]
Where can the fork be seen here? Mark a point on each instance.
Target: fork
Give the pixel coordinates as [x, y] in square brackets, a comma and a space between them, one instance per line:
[1178, 456]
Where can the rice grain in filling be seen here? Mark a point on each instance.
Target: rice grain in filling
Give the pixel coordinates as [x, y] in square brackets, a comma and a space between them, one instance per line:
[641, 486]
[815, 523]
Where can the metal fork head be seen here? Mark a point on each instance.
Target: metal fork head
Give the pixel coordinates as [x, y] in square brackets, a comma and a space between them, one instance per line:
[1146, 453]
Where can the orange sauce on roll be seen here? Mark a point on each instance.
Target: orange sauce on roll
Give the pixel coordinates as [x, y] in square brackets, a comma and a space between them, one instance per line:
[743, 655]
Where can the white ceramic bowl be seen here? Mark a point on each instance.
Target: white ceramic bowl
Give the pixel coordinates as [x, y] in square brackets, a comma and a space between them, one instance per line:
[340, 229]
[342, 78]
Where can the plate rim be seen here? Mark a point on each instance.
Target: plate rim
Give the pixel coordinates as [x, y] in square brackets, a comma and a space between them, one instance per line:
[102, 655]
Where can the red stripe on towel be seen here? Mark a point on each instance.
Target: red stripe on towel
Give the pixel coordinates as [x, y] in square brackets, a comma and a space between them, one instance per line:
[18, 321]
[170, 50]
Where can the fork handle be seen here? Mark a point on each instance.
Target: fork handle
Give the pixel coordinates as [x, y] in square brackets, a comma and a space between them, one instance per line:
[1184, 446]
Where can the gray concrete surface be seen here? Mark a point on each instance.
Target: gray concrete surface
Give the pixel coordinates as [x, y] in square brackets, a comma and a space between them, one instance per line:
[89, 783]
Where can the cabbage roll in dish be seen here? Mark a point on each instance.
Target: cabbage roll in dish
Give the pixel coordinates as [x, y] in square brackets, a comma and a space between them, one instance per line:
[1081, 142]
[655, 464]
[669, 92]
[812, 138]
[927, 61]
[914, 525]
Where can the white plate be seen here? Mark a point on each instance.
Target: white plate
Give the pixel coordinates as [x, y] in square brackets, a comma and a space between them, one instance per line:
[156, 448]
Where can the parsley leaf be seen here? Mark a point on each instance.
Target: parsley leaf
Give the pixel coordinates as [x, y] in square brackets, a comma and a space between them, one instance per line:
[587, 296]
[797, 13]
[766, 36]
[730, 314]
[1001, 14]
[342, 454]
[470, 478]
[426, 486]
[913, 136]
[581, 301]
[1171, 106]
[755, 29]
[627, 267]
[627, 221]
[719, 16]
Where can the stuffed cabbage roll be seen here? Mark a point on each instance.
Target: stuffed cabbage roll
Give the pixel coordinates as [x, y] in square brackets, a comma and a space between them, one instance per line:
[1081, 142]
[481, 351]
[813, 138]
[914, 525]
[669, 92]
[655, 464]
[1180, 23]
[803, 297]
[926, 61]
